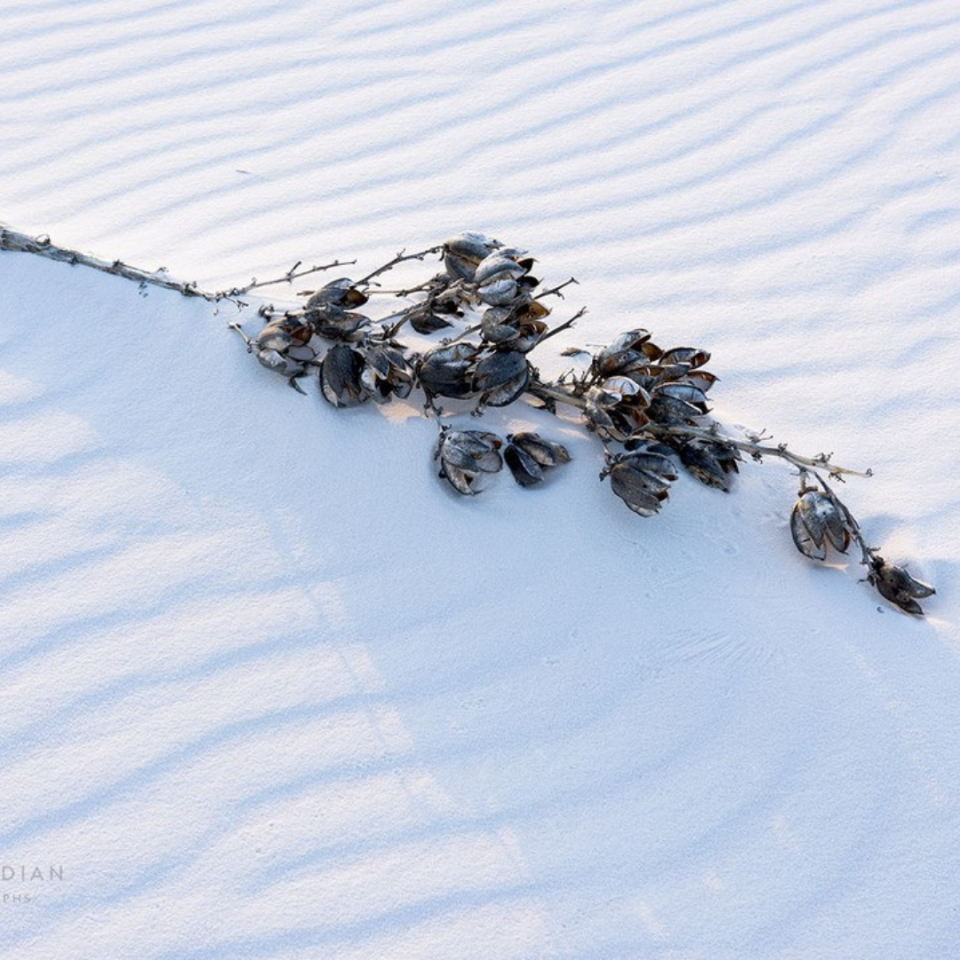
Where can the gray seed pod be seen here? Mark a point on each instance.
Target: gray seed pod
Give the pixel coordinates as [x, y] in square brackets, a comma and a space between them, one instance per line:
[642, 479]
[283, 347]
[499, 292]
[670, 411]
[338, 293]
[467, 454]
[463, 252]
[815, 521]
[685, 392]
[329, 311]
[626, 347]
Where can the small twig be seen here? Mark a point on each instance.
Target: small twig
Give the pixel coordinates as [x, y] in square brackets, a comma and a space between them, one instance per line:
[288, 277]
[463, 333]
[556, 290]
[399, 258]
[553, 394]
[563, 326]
[246, 339]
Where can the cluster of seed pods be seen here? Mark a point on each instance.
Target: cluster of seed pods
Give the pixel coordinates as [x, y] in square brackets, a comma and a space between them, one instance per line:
[466, 456]
[643, 396]
[648, 405]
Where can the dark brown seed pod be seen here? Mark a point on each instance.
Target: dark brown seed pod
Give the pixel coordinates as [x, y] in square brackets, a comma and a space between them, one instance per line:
[526, 471]
[340, 372]
[897, 586]
[627, 349]
[701, 460]
[427, 322]
[337, 293]
[690, 356]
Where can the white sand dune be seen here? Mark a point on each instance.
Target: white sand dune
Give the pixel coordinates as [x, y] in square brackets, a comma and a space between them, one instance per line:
[270, 690]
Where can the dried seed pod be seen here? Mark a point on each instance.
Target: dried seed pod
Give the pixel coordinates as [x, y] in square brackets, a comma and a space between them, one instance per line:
[636, 489]
[627, 349]
[500, 377]
[447, 371]
[816, 520]
[499, 292]
[340, 373]
[617, 408]
[526, 471]
[385, 372]
[642, 479]
[701, 379]
[283, 346]
[462, 254]
[499, 265]
[338, 325]
[466, 454]
[337, 293]
[328, 311]
[427, 322]
[710, 462]
[670, 411]
[528, 455]
[496, 326]
[547, 453]
[690, 356]
[897, 586]
[280, 362]
[685, 392]
[519, 325]
[803, 539]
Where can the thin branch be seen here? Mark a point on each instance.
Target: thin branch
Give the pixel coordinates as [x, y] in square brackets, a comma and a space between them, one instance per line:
[399, 258]
[288, 277]
[43, 246]
[446, 341]
[563, 326]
